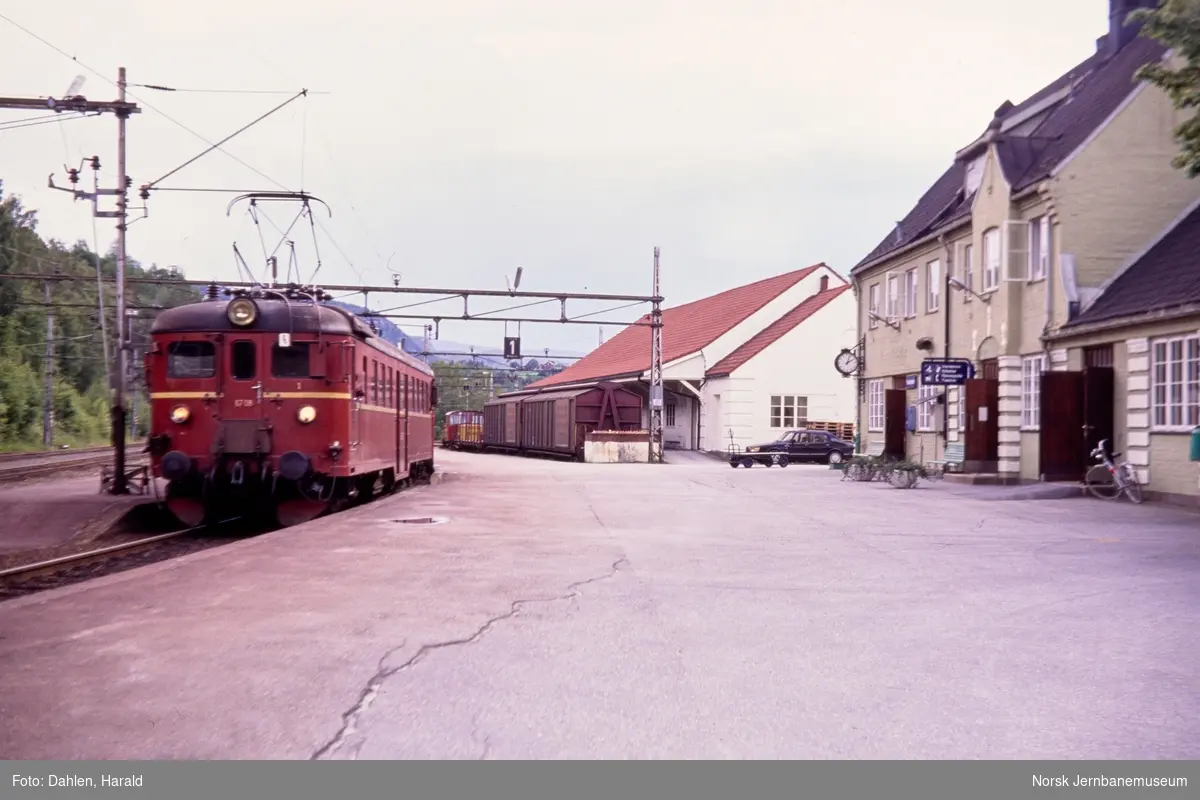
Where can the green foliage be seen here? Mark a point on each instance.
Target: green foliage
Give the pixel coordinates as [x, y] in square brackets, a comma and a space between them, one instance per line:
[81, 397]
[1176, 23]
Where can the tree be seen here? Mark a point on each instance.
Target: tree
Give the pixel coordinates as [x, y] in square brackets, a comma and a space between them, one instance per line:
[1176, 23]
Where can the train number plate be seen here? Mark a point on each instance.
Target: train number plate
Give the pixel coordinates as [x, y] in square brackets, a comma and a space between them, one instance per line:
[243, 403]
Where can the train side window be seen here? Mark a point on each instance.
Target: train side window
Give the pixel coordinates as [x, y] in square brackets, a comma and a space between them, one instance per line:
[290, 362]
[191, 360]
[374, 382]
[390, 400]
[245, 360]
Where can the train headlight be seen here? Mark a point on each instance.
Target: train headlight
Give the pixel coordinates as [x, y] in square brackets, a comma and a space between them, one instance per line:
[242, 312]
[306, 414]
[180, 414]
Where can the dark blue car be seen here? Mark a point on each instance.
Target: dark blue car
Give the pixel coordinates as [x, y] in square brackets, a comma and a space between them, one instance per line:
[801, 445]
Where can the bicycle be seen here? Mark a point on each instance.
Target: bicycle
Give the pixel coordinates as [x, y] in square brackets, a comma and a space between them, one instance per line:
[1107, 480]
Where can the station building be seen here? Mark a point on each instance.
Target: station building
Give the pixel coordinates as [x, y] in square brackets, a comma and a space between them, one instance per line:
[1005, 254]
[739, 367]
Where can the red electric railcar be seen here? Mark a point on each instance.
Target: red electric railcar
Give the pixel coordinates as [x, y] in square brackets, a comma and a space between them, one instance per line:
[272, 402]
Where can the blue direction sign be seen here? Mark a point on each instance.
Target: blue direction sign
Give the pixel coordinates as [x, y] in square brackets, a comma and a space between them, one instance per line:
[946, 371]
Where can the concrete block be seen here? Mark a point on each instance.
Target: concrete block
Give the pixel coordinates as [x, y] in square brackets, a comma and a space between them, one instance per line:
[1139, 458]
[1138, 439]
[1012, 376]
[1143, 476]
[1009, 405]
[1138, 364]
[1134, 346]
[1009, 466]
[1139, 382]
[1009, 362]
[1009, 451]
[1009, 390]
[1137, 420]
[1009, 436]
[1137, 401]
[1009, 421]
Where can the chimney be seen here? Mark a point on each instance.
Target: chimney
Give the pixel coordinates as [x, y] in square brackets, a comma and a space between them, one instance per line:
[824, 283]
[1121, 33]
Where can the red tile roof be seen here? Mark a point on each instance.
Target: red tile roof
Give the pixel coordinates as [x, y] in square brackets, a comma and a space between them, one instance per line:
[773, 332]
[686, 329]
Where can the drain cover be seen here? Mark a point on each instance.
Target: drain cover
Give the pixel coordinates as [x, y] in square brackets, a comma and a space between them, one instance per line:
[421, 521]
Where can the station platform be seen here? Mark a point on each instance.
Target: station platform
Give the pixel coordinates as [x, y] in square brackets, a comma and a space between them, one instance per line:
[50, 511]
[534, 609]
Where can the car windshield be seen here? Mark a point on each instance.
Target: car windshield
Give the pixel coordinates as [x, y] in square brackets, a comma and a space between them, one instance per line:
[787, 437]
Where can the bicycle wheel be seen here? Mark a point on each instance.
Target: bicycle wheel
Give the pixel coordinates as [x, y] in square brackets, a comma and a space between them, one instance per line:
[1102, 483]
[1133, 489]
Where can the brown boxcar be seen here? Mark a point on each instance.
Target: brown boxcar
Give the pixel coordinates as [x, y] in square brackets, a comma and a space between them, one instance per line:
[556, 421]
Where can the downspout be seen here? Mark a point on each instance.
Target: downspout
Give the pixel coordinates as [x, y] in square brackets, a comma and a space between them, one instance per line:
[1052, 237]
[858, 379]
[946, 337]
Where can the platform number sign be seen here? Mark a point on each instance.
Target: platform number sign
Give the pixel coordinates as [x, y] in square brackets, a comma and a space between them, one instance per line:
[512, 347]
[285, 340]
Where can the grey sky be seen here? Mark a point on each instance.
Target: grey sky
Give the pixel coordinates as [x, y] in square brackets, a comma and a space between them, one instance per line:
[469, 137]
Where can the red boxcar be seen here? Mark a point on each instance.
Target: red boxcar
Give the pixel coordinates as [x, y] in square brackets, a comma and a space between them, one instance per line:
[270, 401]
[556, 421]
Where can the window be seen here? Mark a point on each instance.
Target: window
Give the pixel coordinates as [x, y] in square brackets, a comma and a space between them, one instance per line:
[669, 416]
[788, 411]
[244, 360]
[1039, 247]
[910, 293]
[926, 405]
[1175, 382]
[1031, 390]
[873, 306]
[991, 259]
[893, 297]
[191, 360]
[875, 405]
[290, 362]
[968, 277]
[933, 286]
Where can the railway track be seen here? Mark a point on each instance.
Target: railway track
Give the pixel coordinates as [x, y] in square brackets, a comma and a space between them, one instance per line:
[55, 571]
[20, 466]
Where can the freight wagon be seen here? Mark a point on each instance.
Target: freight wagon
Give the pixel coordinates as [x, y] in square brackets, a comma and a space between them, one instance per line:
[555, 422]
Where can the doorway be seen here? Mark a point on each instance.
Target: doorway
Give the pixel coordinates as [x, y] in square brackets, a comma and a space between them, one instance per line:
[1078, 411]
[895, 410]
[981, 450]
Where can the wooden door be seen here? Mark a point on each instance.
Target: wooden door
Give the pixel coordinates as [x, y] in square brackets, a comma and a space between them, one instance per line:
[982, 444]
[1060, 441]
[1099, 408]
[895, 403]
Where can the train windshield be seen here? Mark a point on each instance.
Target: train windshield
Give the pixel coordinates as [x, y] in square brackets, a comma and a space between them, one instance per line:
[290, 362]
[191, 360]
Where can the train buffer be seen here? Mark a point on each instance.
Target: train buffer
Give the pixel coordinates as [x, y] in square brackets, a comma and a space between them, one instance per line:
[136, 478]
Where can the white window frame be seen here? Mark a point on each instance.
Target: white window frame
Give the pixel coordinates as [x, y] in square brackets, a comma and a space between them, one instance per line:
[669, 415]
[910, 293]
[1035, 249]
[991, 259]
[893, 296]
[933, 288]
[926, 406]
[1032, 368]
[875, 405]
[1175, 383]
[873, 294]
[780, 407]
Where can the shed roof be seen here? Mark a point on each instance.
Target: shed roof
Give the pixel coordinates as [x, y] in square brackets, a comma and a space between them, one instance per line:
[686, 329]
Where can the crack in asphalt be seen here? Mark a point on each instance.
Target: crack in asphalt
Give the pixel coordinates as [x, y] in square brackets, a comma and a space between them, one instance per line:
[366, 698]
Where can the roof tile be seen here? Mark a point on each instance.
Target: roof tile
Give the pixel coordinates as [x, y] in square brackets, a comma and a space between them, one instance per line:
[686, 329]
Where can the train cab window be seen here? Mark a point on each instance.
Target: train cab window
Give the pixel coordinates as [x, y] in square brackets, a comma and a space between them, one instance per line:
[191, 360]
[244, 362]
[290, 362]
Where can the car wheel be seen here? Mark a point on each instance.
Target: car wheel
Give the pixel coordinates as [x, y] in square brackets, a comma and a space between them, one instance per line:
[747, 462]
[835, 457]
[783, 461]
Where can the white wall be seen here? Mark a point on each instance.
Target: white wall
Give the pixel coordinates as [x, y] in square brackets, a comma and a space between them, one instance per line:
[799, 363]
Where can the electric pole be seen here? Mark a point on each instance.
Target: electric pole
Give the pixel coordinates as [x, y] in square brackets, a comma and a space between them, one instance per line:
[48, 375]
[122, 109]
[656, 378]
